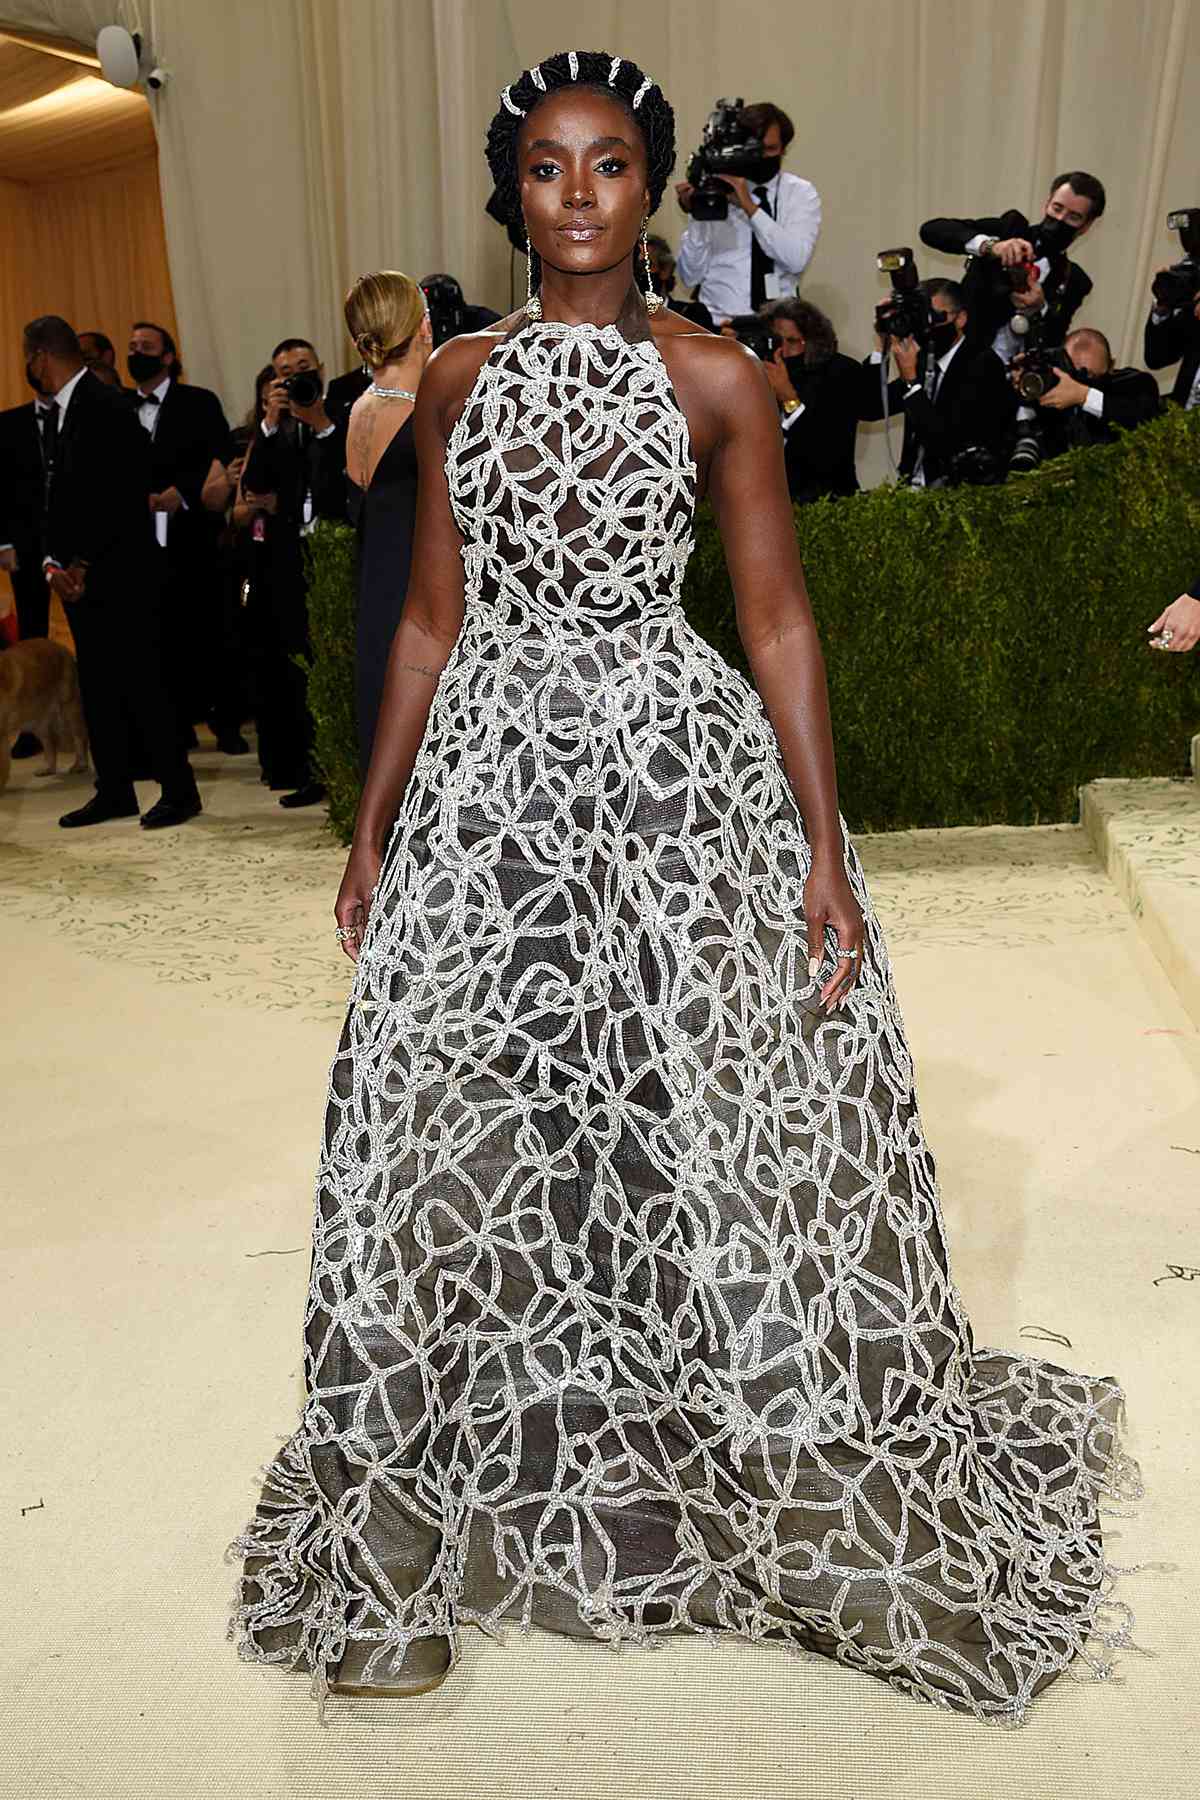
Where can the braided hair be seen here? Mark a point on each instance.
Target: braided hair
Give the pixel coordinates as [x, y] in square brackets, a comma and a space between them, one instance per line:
[615, 76]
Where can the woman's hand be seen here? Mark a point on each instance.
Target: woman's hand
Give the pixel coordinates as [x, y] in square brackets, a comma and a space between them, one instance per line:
[1177, 627]
[353, 904]
[829, 900]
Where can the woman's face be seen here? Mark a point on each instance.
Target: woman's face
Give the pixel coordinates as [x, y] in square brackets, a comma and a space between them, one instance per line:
[582, 169]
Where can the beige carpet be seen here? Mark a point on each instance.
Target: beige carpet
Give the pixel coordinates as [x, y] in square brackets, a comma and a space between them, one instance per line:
[171, 1003]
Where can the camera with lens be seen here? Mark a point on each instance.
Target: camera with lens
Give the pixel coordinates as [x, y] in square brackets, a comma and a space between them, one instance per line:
[1180, 284]
[305, 387]
[757, 334]
[1049, 237]
[726, 148]
[447, 308]
[906, 311]
[1041, 363]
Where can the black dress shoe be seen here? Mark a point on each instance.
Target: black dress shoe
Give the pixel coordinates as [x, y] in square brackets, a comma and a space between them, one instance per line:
[26, 745]
[97, 810]
[232, 743]
[169, 812]
[308, 795]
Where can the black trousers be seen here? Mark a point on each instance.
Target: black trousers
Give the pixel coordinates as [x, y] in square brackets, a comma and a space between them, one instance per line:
[31, 595]
[277, 632]
[203, 666]
[131, 716]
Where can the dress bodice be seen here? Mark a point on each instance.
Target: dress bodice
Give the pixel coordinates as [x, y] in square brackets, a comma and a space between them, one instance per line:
[572, 481]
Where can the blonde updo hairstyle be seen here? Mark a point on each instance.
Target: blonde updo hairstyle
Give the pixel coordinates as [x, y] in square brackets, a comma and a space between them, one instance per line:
[383, 312]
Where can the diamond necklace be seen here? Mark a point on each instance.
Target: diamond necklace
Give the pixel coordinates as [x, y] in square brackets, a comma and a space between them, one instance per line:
[386, 393]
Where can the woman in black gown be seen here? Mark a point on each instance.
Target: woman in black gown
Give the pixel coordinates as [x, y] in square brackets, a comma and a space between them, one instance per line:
[388, 320]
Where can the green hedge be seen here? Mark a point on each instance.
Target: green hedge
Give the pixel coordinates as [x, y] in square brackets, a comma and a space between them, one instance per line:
[985, 647]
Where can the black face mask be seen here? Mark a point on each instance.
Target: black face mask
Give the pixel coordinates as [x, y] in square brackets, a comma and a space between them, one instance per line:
[33, 381]
[142, 365]
[942, 336]
[763, 168]
[1053, 236]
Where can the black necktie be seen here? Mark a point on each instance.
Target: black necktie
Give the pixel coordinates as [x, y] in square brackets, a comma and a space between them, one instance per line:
[760, 263]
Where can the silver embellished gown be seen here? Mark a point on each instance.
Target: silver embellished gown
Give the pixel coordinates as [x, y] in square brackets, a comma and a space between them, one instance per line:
[630, 1309]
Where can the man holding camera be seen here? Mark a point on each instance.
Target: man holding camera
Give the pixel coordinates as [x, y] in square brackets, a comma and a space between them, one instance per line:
[1022, 271]
[954, 396]
[818, 391]
[760, 249]
[1173, 327]
[294, 474]
[1084, 400]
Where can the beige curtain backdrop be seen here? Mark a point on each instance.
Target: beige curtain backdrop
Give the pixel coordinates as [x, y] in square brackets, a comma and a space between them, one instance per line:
[305, 141]
[92, 250]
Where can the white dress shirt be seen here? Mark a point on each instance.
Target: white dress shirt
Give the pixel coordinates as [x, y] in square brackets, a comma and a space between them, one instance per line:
[148, 416]
[147, 411]
[716, 252]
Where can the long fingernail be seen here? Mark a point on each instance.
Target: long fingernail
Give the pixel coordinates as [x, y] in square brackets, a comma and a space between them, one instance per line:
[814, 963]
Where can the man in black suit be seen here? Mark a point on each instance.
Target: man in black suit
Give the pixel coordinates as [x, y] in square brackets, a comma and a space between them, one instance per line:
[99, 558]
[1006, 248]
[99, 352]
[297, 460]
[1091, 401]
[22, 480]
[188, 432]
[343, 391]
[818, 391]
[1173, 335]
[954, 396]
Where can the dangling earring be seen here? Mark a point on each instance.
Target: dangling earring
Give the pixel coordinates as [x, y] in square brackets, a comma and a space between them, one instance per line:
[533, 304]
[654, 302]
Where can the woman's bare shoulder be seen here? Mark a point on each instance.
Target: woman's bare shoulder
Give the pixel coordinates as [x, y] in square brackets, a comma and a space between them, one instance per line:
[451, 371]
[705, 362]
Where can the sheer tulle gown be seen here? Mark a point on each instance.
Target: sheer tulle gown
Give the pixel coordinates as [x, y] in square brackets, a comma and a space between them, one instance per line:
[630, 1309]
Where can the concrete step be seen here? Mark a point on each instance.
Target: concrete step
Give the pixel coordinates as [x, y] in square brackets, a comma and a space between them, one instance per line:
[1147, 835]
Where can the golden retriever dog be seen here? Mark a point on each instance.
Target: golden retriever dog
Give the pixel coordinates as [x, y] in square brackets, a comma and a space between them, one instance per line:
[39, 692]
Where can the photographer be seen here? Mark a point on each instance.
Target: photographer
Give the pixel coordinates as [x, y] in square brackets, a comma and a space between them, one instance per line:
[818, 390]
[662, 281]
[1016, 268]
[955, 397]
[1080, 398]
[760, 249]
[293, 475]
[1173, 327]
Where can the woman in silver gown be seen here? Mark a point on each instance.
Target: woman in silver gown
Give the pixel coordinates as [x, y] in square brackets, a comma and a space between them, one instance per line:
[630, 1309]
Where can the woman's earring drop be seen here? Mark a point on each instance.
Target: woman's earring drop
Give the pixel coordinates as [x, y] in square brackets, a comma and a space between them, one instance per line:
[533, 304]
[654, 302]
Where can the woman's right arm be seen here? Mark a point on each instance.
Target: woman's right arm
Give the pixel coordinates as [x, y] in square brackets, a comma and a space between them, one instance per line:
[429, 627]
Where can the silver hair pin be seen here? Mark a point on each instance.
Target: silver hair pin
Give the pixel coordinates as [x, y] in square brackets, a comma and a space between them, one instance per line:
[638, 96]
[612, 73]
[537, 78]
[511, 104]
[573, 65]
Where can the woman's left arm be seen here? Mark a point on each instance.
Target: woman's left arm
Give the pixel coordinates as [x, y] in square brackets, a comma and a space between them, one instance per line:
[747, 486]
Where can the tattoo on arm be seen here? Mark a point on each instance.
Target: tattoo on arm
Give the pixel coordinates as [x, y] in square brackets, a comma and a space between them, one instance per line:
[420, 669]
